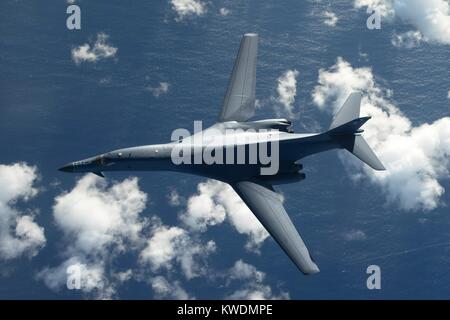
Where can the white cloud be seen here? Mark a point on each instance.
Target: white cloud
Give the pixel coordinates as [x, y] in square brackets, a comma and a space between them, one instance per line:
[174, 198]
[161, 248]
[217, 201]
[96, 216]
[165, 289]
[162, 88]
[99, 223]
[330, 18]
[431, 18]
[202, 211]
[168, 245]
[448, 95]
[287, 90]
[99, 50]
[17, 182]
[257, 291]
[124, 276]
[252, 287]
[385, 6]
[188, 8]
[102, 221]
[416, 158]
[19, 234]
[93, 277]
[408, 39]
[224, 11]
[245, 271]
[355, 235]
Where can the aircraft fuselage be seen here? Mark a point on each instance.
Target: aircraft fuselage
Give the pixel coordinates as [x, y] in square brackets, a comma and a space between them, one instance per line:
[220, 152]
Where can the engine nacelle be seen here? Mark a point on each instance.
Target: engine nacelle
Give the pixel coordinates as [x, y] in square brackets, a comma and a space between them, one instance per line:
[283, 178]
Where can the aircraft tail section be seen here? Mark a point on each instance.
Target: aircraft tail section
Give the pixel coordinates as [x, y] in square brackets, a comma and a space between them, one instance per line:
[345, 128]
[348, 112]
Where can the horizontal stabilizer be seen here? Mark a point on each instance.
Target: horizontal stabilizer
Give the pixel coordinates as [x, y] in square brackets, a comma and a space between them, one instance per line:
[359, 147]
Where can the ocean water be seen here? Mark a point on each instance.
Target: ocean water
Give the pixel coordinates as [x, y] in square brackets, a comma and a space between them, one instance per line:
[53, 111]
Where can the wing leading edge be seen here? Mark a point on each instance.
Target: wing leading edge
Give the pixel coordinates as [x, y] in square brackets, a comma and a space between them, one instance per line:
[239, 102]
[267, 206]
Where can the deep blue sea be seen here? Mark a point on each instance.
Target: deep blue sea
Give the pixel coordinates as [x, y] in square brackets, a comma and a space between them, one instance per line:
[53, 111]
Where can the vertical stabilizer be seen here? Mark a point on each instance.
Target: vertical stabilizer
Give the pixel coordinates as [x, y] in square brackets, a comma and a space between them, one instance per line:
[349, 110]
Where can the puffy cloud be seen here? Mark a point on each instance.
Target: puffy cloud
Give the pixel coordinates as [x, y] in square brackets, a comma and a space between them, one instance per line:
[95, 216]
[161, 248]
[217, 201]
[99, 50]
[415, 157]
[253, 287]
[168, 245]
[287, 90]
[188, 8]
[224, 11]
[330, 18]
[17, 182]
[165, 289]
[19, 234]
[99, 223]
[431, 18]
[340, 80]
[92, 277]
[448, 95]
[102, 221]
[384, 6]
[202, 211]
[162, 88]
[245, 271]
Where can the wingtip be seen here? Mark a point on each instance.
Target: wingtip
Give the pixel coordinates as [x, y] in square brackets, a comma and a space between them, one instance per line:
[311, 271]
[377, 165]
[313, 267]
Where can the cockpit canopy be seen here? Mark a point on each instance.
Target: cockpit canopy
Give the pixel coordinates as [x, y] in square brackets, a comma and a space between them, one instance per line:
[102, 160]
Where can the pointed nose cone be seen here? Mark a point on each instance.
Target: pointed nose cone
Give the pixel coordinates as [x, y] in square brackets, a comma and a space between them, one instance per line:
[67, 168]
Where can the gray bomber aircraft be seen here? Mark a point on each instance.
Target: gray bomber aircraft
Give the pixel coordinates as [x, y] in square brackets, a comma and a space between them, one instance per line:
[255, 189]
